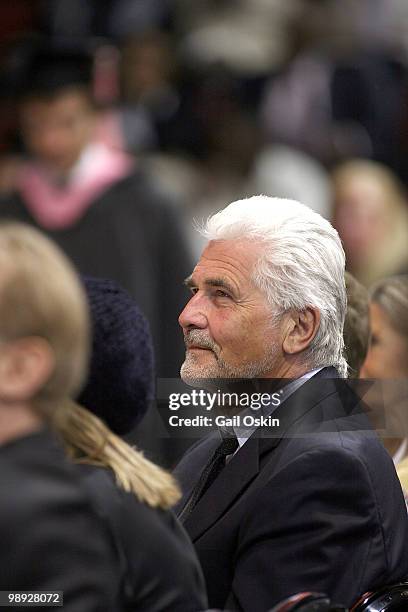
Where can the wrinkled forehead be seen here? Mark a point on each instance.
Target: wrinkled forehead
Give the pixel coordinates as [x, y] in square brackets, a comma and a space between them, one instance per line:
[233, 260]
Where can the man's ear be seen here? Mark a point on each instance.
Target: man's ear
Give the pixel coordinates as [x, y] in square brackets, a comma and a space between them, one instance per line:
[26, 365]
[301, 328]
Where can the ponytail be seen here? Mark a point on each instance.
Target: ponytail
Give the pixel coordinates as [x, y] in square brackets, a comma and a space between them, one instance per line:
[88, 440]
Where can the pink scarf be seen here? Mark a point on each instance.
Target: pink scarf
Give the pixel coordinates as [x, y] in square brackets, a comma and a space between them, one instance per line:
[55, 207]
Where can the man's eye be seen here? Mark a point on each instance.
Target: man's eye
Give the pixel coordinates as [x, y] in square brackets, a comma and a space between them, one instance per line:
[193, 290]
[220, 293]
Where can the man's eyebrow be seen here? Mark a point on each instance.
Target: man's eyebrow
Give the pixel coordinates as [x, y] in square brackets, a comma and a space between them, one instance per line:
[189, 281]
[220, 282]
[212, 282]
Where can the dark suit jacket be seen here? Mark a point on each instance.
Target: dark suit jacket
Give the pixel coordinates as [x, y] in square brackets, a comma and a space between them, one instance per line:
[312, 505]
[157, 563]
[50, 537]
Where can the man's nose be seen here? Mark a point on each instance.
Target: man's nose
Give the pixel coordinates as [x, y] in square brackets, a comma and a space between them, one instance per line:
[193, 315]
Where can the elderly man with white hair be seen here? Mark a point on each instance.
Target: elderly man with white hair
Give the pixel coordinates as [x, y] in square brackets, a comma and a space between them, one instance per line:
[310, 501]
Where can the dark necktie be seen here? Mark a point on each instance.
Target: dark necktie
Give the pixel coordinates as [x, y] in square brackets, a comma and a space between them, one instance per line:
[213, 468]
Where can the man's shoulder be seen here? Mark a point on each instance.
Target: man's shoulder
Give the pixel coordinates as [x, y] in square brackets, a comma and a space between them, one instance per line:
[330, 446]
[336, 428]
[332, 464]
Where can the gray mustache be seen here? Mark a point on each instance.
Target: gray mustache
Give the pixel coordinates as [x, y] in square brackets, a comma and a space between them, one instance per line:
[199, 338]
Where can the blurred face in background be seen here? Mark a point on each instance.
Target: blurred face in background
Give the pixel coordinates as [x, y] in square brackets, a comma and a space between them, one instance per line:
[361, 217]
[387, 363]
[387, 357]
[147, 65]
[56, 129]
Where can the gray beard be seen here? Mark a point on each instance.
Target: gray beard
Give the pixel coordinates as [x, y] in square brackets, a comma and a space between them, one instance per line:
[191, 372]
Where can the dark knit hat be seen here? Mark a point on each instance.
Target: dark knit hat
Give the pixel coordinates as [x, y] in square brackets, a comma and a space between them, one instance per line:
[120, 382]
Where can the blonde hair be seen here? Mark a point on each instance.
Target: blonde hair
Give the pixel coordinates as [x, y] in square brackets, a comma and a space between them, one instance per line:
[41, 295]
[88, 440]
[392, 255]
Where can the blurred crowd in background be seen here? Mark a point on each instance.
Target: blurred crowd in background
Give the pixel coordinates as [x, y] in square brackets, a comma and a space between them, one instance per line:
[223, 98]
[194, 104]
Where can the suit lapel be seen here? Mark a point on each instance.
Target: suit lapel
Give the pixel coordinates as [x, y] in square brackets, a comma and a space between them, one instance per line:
[242, 469]
[235, 477]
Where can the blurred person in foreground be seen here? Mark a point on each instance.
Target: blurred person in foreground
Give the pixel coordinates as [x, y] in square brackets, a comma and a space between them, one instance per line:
[99, 205]
[371, 216]
[310, 502]
[157, 564]
[51, 539]
[387, 361]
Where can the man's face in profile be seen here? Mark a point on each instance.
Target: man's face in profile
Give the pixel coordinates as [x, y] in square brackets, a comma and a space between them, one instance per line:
[228, 324]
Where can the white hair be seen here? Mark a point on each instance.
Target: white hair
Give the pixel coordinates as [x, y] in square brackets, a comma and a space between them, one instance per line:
[302, 264]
